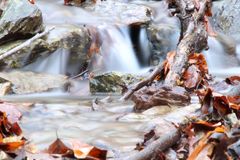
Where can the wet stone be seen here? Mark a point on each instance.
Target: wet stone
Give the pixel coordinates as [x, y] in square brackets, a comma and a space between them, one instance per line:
[112, 82]
[76, 39]
[19, 23]
[29, 82]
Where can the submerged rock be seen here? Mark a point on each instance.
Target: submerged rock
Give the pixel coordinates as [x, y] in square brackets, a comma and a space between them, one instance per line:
[76, 39]
[112, 82]
[29, 82]
[20, 19]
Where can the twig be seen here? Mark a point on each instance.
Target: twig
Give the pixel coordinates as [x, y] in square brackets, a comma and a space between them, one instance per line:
[144, 82]
[25, 44]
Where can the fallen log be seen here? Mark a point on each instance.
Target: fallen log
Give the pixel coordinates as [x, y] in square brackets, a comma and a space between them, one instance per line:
[25, 44]
[193, 38]
[161, 144]
[166, 133]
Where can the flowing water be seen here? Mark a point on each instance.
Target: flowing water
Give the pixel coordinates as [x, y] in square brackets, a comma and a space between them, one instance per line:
[220, 63]
[117, 49]
[69, 116]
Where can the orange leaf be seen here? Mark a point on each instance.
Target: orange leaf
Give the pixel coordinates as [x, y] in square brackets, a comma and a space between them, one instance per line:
[16, 129]
[58, 147]
[82, 150]
[204, 142]
[11, 146]
[32, 1]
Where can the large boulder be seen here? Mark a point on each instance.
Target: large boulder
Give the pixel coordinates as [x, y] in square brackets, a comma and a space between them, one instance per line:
[226, 18]
[20, 19]
[75, 39]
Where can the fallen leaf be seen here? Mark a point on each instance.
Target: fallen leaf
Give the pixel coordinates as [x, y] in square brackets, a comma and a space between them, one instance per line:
[11, 146]
[82, 150]
[191, 77]
[58, 147]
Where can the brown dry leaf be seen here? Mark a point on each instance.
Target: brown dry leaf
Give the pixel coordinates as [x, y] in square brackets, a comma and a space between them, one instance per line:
[196, 72]
[82, 150]
[234, 102]
[199, 60]
[204, 143]
[32, 1]
[191, 77]
[204, 125]
[206, 101]
[16, 129]
[221, 105]
[58, 147]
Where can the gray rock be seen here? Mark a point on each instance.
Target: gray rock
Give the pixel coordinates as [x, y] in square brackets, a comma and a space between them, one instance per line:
[29, 82]
[226, 18]
[112, 82]
[19, 19]
[163, 38]
[76, 39]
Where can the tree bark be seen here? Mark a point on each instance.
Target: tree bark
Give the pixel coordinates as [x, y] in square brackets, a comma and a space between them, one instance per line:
[161, 144]
[193, 38]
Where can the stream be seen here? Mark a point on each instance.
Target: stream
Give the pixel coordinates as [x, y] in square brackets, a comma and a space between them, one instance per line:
[70, 116]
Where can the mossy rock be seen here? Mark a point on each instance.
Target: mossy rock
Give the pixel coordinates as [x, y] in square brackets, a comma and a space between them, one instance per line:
[112, 82]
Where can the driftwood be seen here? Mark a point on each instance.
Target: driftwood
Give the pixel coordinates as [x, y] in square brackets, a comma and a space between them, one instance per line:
[25, 44]
[161, 144]
[193, 38]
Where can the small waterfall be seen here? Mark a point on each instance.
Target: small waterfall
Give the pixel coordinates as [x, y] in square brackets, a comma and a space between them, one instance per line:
[117, 50]
[144, 46]
[56, 63]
